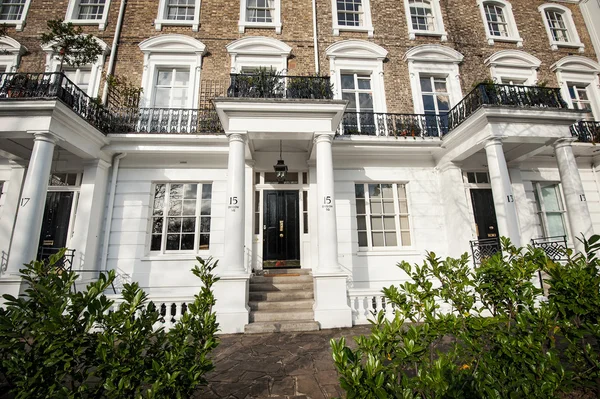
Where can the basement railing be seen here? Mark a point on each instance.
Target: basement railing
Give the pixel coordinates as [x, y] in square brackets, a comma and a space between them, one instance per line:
[484, 248]
[555, 247]
[393, 125]
[50, 86]
[267, 85]
[64, 264]
[165, 120]
[586, 131]
[504, 95]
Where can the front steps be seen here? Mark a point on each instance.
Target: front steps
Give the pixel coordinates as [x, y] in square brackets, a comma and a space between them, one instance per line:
[281, 300]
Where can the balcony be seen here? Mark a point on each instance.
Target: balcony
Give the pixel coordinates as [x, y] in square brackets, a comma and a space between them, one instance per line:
[586, 131]
[54, 86]
[268, 85]
[165, 121]
[489, 94]
[393, 125]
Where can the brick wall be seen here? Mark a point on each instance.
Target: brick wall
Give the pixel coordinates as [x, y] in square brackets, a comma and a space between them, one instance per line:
[218, 27]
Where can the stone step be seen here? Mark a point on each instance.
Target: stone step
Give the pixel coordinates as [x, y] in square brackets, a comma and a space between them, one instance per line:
[300, 304]
[264, 315]
[290, 295]
[280, 286]
[281, 278]
[284, 271]
[282, 326]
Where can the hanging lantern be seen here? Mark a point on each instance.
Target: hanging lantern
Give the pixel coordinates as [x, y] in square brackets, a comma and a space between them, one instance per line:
[281, 168]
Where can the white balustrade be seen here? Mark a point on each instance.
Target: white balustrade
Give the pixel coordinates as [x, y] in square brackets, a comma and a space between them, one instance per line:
[366, 304]
[170, 309]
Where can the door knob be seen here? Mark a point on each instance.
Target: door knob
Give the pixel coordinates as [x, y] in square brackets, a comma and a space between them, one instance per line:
[281, 235]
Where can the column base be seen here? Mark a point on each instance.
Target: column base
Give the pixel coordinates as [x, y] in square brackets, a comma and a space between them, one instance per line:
[231, 293]
[11, 285]
[331, 301]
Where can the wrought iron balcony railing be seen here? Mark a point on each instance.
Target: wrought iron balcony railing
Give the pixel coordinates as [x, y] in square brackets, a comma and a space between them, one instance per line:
[586, 131]
[19, 86]
[267, 85]
[393, 125]
[504, 95]
[555, 247]
[165, 120]
[485, 248]
[64, 264]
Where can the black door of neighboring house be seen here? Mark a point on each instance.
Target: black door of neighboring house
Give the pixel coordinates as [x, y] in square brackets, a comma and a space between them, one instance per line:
[485, 213]
[55, 225]
[281, 230]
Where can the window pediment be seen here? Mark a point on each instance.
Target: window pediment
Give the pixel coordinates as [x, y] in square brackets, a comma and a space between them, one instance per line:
[259, 45]
[10, 45]
[356, 49]
[576, 63]
[514, 59]
[172, 44]
[433, 53]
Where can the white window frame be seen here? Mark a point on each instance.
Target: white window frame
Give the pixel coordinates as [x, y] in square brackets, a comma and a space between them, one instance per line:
[583, 71]
[19, 24]
[567, 15]
[255, 52]
[438, 22]
[437, 61]
[171, 51]
[397, 215]
[198, 216]
[53, 65]
[513, 65]
[172, 86]
[511, 24]
[243, 24]
[540, 207]
[367, 25]
[73, 11]
[362, 57]
[10, 53]
[162, 19]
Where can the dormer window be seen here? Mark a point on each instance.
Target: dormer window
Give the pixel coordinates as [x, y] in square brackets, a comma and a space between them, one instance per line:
[88, 12]
[178, 13]
[560, 27]
[424, 17]
[499, 22]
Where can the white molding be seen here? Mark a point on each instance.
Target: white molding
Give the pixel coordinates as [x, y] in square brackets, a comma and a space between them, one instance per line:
[53, 64]
[19, 24]
[171, 50]
[258, 51]
[73, 8]
[438, 22]
[434, 60]
[570, 25]
[161, 18]
[10, 53]
[358, 56]
[513, 64]
[513, 30]
[582, 70]
[276, 24]
[367, 20]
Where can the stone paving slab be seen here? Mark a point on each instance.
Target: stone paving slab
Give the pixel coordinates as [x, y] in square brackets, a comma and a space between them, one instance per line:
[279, 365]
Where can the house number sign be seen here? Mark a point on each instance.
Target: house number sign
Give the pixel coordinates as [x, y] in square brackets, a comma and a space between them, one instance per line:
[582, 198]
[327, 203]
[233, 204]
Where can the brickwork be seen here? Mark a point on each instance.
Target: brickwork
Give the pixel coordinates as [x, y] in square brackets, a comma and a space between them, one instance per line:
[219, 26]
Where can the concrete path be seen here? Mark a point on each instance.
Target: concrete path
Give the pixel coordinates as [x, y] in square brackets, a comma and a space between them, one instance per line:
[279, 365]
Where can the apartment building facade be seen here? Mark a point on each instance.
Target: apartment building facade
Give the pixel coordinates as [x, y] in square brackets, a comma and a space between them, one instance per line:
[336, 136]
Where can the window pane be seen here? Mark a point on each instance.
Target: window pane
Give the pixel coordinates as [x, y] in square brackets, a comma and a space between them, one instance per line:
[426, 85]
[364, 83]
[389, 223]
[206, 191]
[172, 242]
[359, 190]
[556, 226]
[157, 225]
[351, 98]
[550, 198]
[405, 236]
[376, 208]
[188, 225]
[205, 225]
[362, 239]
[404, 223]
[204, 241]
[391, 240]
[174, 225]
[161, 99]
[155, 243]
[187, 242]
[360, 207]
[388, 207]
[378, 239]
[376, 223]
[164, 77]
[182, 78]
[366, 101]
[361, 222]
[347, 81]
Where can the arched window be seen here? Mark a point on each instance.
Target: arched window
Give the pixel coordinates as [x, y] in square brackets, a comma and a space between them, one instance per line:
[560, 27]
[10, 54]
[499, 22]
[424, 17]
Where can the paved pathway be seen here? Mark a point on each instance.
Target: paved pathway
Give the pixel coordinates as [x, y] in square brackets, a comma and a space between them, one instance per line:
[280, 365]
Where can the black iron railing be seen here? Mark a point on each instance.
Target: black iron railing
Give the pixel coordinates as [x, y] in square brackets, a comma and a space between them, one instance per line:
[485, 248]
[555, 247]
[393, 125]
[586, 131]
[165, 120]
[17, 86]
[267, 85]
[504, 95]
[64, 264]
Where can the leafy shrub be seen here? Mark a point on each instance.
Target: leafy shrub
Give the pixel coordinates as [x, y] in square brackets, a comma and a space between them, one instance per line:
[58, 343]
[483, 333]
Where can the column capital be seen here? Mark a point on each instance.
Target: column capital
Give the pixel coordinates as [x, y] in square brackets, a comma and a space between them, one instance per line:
[44, 136]
[493, 141]
[564, 142]
[237, 136]
[322, 137]
[448, 166]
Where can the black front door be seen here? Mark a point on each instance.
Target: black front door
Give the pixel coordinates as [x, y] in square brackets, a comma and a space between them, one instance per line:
[281, 233]
[55, 225]
[485, 213]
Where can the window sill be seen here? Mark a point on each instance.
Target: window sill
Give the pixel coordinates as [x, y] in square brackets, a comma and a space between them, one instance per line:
[412, 34]
[264, 25]
[158, 24]
[18, 24]
[338, 28]
[409, 251]
[492, 39]
[555, 45]
[174, 256]
[100, 22]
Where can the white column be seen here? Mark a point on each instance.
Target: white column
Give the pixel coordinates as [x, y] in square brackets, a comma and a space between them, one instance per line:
[578, 213]
[331, 297]
[12, 194]
[231, 291]
[504, 200]
[26, 235]
[457, 216]
[525, 211]
[89, 215]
